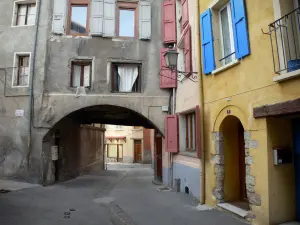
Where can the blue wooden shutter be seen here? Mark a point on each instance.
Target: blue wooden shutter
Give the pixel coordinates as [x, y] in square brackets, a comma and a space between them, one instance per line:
[207, 40]
[240, 29]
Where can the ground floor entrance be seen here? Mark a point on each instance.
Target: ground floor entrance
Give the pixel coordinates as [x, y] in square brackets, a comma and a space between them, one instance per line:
[138, 157]
[234, 177]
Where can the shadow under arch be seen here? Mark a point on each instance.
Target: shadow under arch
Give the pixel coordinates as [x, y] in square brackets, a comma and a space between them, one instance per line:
[66, 133]
[108, 114]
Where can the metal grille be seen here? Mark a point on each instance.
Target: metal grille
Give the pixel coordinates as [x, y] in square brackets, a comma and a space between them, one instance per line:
[285, 42]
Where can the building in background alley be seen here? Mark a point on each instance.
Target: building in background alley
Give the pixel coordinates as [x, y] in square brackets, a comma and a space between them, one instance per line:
[126, 144]
[181, 163]
[251, 61]
[71, 64]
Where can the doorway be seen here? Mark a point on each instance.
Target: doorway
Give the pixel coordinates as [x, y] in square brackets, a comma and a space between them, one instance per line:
[158, 156]
[138, 151]
[234, 162]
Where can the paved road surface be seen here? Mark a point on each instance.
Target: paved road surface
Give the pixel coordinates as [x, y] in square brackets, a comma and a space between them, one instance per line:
[124, 195]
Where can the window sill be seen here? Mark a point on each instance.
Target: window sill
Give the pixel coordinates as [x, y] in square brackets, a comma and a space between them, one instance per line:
[188, 154]
[287, 76]
[31, 25]
[226, 67]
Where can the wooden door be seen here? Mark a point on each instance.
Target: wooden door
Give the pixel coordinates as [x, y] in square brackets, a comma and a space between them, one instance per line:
[242, 165]
[138, 151]
[158, 158]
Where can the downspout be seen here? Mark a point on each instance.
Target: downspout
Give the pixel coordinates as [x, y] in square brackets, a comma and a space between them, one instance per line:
[171, 154]
[31, 85]
[201, 95]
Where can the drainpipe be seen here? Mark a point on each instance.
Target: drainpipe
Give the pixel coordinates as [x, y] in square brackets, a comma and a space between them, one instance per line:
[171, 154]
[32, 72]
[201, 95]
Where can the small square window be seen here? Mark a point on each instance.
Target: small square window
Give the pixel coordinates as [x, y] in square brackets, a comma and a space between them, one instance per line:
[21, 70]
[79, 17]
[126, 77]
[227, 42]
[25, 14]
[81, 73]
[127, 20]
[190, 132]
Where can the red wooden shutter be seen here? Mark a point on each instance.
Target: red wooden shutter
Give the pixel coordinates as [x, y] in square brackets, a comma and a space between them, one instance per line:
[198, 132]
[185, 13]
[188, 50]
[171, 133]
[168, 79]
[169, 21]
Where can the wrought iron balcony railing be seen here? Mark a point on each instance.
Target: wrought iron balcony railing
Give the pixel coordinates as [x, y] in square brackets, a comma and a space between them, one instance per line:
[285, 40]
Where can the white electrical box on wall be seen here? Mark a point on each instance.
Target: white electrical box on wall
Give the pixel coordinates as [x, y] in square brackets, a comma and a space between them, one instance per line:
[165, 108]
[54, 152]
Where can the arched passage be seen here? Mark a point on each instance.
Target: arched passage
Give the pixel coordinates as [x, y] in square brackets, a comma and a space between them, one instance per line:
[79, 139]
[230, 163]
[234, 160]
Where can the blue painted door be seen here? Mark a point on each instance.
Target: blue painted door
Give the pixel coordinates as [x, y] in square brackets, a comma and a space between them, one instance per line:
[296, 138]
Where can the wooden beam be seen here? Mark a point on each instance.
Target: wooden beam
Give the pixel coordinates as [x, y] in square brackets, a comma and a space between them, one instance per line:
[282, 108]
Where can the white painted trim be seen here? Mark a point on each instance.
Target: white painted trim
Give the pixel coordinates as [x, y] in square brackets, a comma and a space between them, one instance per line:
[14, 14]
[287, 76]
[226, 67]
[230, 32]
[17, 54]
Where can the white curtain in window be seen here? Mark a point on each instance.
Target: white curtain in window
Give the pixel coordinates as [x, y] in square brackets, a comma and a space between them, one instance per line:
[87, 75]
[76, 76]
[128, 75]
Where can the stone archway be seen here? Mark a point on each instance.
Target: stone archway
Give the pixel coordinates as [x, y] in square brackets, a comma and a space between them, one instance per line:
[223, 142]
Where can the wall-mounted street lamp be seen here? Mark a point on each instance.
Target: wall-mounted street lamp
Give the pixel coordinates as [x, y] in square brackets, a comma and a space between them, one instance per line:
[171, 59]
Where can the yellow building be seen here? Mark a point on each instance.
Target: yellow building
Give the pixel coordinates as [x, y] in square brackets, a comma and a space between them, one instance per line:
[250, 67]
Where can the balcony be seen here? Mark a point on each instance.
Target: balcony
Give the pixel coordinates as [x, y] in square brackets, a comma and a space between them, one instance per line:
[285, 41]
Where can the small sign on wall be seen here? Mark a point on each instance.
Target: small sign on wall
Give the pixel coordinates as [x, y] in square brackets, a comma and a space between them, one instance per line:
[54, 151]
[19, 113]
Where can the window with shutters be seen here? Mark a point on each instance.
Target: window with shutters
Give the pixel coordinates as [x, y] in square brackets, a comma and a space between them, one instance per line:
[126, 77]
[190, 132]
[224, 35]
[78, 22]
[81, 73]
[127, 20]
[21, 70]
[24, 14]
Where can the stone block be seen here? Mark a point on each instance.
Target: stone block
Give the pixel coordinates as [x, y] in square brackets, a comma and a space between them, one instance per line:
[254, 199]
[220, 172]
[218, 159]
[249, 160]
[219, 183]
[218, 136]
[246, 151]
[250, 180]
[247, 135]
[219, 194]
[219, 147]
[248, 170]
[250, 188]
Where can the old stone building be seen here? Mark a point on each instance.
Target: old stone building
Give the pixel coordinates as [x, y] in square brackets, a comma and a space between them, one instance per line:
[66, 64]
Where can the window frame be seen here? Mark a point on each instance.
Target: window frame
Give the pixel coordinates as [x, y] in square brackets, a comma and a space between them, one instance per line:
[16, 68]
[81, 63]
[133, 6]
[233, 58]
[78, 3]
[139, 79]
[190, 141]
[16, 10]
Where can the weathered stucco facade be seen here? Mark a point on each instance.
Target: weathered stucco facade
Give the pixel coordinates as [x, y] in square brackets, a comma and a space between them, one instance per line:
[53, 97]
[230, 96]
